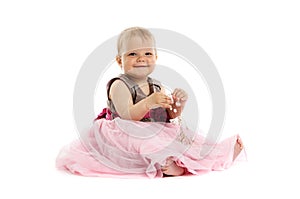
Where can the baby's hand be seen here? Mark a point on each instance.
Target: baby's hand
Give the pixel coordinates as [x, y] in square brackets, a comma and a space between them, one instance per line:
[158, 99]
[179, 95]
[179, 99]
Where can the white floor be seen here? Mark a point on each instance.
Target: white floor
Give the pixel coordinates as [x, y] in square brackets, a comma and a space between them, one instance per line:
[254, 45]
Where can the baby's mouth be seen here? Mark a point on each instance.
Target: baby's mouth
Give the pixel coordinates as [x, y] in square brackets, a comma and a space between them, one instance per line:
[140, 66]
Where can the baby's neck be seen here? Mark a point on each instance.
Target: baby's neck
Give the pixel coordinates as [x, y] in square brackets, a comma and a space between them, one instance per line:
[139, 81]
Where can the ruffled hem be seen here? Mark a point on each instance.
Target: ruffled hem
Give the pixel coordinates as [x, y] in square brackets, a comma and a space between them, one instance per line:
[128, 149]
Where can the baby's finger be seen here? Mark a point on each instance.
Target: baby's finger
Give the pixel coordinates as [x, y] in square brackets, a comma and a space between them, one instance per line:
[183, 96]
[179, 93]
[164, 96]
[165, 105]
[175, 92]
[165, 100]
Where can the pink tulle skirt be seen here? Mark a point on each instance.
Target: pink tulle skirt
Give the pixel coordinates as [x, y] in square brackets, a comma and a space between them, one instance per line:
[123, 148]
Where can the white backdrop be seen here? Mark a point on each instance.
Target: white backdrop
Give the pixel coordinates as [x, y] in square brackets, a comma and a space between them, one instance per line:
[254, 45]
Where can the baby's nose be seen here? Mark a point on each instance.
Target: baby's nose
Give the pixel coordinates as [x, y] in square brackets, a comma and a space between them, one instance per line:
[141, 59]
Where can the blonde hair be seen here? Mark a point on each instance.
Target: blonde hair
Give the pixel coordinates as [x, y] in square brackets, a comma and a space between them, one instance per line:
[130, 33]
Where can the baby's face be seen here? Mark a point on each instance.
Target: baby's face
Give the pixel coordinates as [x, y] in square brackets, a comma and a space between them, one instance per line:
[139, 59]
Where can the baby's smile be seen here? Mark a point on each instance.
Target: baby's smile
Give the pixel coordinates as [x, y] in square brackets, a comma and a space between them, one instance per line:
[140, 66]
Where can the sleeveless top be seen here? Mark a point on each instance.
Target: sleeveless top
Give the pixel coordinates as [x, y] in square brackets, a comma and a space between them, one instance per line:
[154, 115]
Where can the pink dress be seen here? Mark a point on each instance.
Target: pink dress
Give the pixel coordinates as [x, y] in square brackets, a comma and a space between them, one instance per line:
[114, 147]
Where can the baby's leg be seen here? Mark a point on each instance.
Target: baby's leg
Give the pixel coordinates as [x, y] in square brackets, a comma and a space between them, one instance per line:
[238, 147]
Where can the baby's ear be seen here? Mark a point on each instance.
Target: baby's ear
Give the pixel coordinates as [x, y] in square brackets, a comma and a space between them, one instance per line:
[119, 60]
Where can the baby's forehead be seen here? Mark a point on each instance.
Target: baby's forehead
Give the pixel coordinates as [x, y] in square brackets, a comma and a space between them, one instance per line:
[143, 49]
[138, 44]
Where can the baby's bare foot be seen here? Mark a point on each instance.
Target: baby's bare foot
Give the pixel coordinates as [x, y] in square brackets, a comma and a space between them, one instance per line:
[238, 147]
[172, 169]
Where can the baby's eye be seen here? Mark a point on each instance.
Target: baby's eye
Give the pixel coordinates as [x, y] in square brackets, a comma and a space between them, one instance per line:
[148, 54]
[132, 54]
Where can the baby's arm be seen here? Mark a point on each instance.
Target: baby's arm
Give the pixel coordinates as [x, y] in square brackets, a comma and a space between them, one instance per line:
[122, 100]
